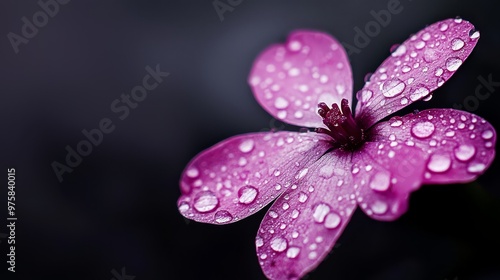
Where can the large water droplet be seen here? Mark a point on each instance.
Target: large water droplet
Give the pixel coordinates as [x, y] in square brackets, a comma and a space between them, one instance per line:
[183, 206]
[487, 134]
[474, 34]
[206, 202]
[379, 207]
[280, 103]
[320, 212]
[465, 152]
[392, 87]
[303, 197]
[365, 95]
[419, 93]
[279, 244]
[292, 252]
[476, 167]
[439, 163]
[247, 194]
[422, 129]
[246, 146]
[332, 220]
[294, 46]
[380, 182]
[192, 172]
[453, 63]
[223, 216]
[457, 44]
[301, 173]
[401, 49]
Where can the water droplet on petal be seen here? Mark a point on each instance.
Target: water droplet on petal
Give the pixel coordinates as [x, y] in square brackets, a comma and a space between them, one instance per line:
[396, 123]
[279, 244]
[380, 182]
[247, 194]
[301, 173]
[474, 34]
[258, 241]
[465, 152]
[439, 163]
[404, 101]
[205, 202]
[453, 63]
[399, 51]
[419, 93]
[392, 87]
[458, 20]
[294, 46]
[292, 252]
[326, 171]
[320, 212]
[263, 256]
[183, 207]
[280, 103]
[223, 216]
[443, 27]
[457, 44]
[295, 214]
[476, 167]
[192, 172]
[332, 220]
[367, 77]
[487, 134]
[303, 197]
[273, 214]
[379, 207]
[246, 146]
[422, 129]
[365, 95]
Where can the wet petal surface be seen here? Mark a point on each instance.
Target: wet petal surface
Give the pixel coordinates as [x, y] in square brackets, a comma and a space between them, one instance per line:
[459, 145]
[384, 175]
[416, 68]
[302, 225]
[242, 174]
[289, 80]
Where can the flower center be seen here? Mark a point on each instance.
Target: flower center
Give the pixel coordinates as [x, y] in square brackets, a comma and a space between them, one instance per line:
[342, 127]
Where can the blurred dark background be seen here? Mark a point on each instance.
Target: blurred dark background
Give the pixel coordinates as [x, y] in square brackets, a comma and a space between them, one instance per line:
[117, 209]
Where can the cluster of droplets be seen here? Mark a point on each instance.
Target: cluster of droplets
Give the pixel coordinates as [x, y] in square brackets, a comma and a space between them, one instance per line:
[403, 79]
[294, 83]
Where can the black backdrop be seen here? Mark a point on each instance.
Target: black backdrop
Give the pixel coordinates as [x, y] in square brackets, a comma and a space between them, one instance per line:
[117, 209]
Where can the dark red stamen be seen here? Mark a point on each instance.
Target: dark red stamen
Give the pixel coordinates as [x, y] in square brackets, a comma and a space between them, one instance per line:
[342, 127]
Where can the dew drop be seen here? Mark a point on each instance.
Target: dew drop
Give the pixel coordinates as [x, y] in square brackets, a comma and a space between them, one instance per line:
[247, 194]
[326, 171]
[298, 115]
[183, 207]
[292, 252]
[320, 212]
[422, 129]
[192, 172]
[263, 256]
[392, 87]
[379, 207]
[464, 152]
[457, 44]
[443, 27]
[302, 173]
[258, 241]
[332, 220]
[404, 101]
[366, 95]
[439, 72]
[474, 34]
[223, 216]
[303, 197]
[367, 77]
[439, 163]
[487, 134]
[419, 93]
[453, 63]
[273, 214]
[206, 202]
[380, 182]
[396, 123]
[312, 255]
[279, 244]
[399, 51]
[280, 103]
[294, 46]
[293, 72]
[476, 167]
[285, 206]
[246, 146]
[295, 214]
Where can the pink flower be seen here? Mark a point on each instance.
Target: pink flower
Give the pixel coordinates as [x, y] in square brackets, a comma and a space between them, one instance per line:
[317, 180]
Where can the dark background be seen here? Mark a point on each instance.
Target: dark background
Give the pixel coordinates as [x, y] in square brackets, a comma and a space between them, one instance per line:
[117, 209]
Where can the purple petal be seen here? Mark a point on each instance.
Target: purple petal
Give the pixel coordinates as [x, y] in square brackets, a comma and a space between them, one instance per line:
[415, 69]
[289, 80]
[242, 174]
[459, 145]
[383, 177]
[301, 227]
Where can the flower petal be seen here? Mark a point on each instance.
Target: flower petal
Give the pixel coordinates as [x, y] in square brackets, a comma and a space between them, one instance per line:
[242, 174]
[459, 145]
[416, 68]
[384, 176]
[289, 80]
[302, 225]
